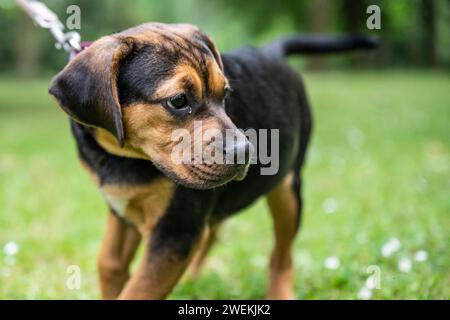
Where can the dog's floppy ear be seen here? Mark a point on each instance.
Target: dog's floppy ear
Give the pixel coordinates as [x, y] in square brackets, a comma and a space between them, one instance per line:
[86, 89]
[212, 47]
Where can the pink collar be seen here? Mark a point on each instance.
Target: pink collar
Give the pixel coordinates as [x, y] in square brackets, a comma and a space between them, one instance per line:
[83, 46]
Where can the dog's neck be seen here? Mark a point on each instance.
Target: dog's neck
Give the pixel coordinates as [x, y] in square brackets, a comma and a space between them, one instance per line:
[108, 142]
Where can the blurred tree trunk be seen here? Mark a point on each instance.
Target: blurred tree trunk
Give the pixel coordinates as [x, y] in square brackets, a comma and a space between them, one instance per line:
[414, 41]
[430, 32]
[319, 22]
[27, 47]
[354, 14]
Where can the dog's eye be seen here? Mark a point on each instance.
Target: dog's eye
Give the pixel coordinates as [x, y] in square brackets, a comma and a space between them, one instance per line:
[178, 102]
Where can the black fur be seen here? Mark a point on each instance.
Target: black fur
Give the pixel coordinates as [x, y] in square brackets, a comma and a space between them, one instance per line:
[267, 94]
[87, 94]
[144, 63]
[274, 100]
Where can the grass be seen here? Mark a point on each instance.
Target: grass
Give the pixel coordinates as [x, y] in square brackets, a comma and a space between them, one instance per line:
[379, 161]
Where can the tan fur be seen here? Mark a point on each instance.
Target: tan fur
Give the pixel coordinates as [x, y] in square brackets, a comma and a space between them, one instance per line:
[108, 142]
[117, 251]
[148, 129]
[155, 32]
[144, 204]
[156, 275]
[284, 209]
[183, 75]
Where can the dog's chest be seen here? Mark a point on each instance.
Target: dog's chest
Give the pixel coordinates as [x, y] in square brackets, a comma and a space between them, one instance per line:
[141, 205]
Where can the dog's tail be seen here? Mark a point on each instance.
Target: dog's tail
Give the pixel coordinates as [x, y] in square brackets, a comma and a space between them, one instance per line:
[319, 44]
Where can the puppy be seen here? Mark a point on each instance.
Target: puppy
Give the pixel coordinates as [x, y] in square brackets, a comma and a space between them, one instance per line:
[129, 92]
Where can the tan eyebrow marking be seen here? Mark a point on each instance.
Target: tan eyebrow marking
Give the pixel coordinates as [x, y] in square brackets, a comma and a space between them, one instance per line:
[183, 75]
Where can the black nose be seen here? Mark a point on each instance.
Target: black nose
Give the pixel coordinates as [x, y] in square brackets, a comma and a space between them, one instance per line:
[239, 153]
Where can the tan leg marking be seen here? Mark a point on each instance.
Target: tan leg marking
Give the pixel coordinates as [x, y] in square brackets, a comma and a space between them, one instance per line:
[143, 206]
[156, 275]
[284, 210]
[209, 238]
[117, 251]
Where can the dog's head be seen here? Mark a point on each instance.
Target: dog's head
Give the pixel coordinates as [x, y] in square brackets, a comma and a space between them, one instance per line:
[139, 87]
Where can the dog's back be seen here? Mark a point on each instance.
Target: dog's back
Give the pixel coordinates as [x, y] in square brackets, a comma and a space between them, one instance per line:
[269, 94]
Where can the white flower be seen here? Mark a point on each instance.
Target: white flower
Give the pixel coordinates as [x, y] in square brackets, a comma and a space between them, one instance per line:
[405, 265]
[365, 294]
[421, 256]
[330, 205]
[390, 247]
[11, 248]
[332, 263]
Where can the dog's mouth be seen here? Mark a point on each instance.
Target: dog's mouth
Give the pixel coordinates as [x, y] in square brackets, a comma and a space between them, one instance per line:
[206, 173]
[202, 176]
[208, 177]
[237, 162]
[242, 172]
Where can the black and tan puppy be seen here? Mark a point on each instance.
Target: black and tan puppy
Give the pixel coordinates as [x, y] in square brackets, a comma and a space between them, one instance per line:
[128, 92]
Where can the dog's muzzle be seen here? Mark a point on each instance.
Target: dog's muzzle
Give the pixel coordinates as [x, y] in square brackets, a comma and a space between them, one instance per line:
[241, 154]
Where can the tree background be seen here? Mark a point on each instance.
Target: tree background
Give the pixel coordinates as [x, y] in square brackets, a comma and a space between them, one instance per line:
[414, 33]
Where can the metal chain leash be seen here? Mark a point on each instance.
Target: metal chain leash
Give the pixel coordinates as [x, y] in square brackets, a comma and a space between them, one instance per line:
[47, 19]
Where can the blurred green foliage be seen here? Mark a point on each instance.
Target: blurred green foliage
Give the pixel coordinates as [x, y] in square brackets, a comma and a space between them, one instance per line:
[414, 32]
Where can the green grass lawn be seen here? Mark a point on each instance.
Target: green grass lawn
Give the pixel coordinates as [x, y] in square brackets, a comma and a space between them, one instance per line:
[378, 168]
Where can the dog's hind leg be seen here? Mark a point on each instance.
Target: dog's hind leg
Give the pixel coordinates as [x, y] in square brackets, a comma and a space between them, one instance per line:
[284, 204]
[117, 251]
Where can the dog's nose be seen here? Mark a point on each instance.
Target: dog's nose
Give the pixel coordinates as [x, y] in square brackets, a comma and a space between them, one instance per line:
[240, 153]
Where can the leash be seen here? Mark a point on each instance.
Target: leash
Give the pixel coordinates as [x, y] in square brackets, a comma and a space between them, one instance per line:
[47, 19]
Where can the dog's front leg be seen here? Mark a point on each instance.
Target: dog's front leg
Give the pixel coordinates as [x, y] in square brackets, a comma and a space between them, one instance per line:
[168, 253]
[118, 248]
